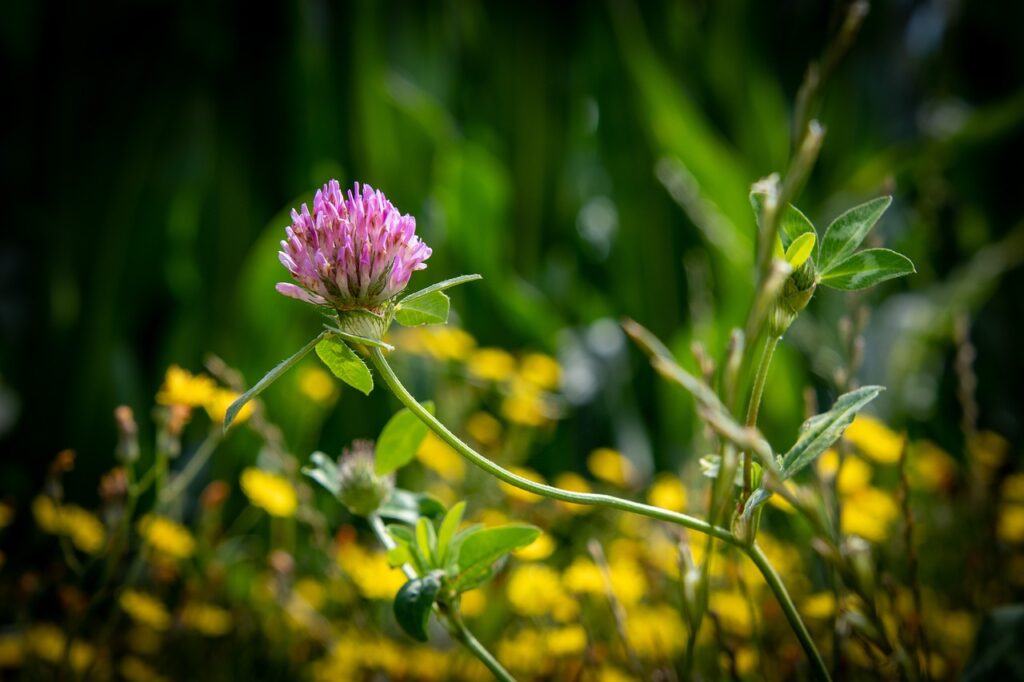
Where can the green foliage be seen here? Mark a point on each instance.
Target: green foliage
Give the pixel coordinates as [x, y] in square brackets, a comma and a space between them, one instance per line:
[399, 440]
[324, 471]
[407, 507]
[414, 602]
[845, 233]
[345, 364]
[819, 432]
[867, 268]
[431, 308]
[792, 225]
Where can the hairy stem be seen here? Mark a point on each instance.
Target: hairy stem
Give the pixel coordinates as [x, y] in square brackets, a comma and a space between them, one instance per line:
[608, 501]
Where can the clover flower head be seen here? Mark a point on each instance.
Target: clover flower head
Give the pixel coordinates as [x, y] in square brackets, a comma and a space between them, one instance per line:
[354, 251]
[360, 488]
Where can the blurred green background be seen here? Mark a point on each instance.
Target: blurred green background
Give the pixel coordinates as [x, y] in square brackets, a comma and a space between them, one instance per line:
[590, 159]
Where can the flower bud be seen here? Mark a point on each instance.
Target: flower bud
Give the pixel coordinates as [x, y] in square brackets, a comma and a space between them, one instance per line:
[127, 435]
[796, 293]
[359, 487]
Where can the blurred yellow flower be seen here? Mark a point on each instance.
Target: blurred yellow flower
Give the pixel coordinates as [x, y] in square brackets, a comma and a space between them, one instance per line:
[6, 514]
[145, 609]
[667, 492]
[12, 650]
[930, 467]
[541, 548]
[220, 400]
[583, 576]
[526, 406]
[874, 439]
[166, 536]
[207, 619]
[536, 590]
[370, 572]
[1010, 524]
[611, 466]
[312, 591]
[472, 603]
[747, 660]
[181, 387]
[781, 503]
[989, 449]
[317, 385]
[574, 483]
[655, 632]
[491, 364]
[484, 429]
[1013, 488]
[273, 493]
[733, 610]
[608, 673]
[868, 513]
[526, 653]
[84, 529]
[134, 669]
[540, 370]
[519, 493]
[856, 473]
[47, 516]
[437, 455]
[47, 642]
[442, 343]
[820, 606]
[570, 640]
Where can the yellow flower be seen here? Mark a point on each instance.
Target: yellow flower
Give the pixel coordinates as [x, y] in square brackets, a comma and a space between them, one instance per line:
[655, 632]
[875, 440]
[1010, 525]
[492, 364]
[484, 429]
[370, 572]
[207, 619]
[312, 591]
[536, 590]
[519, 493]
[472, 603]
[583, 576]
[437, 455]
[46, 513]
[181, 387]
[526, 406]
[47, 642]
[570, 640]
[166, 536]
[574, 483]
[443, 343]
[220, 400]
[1013, 488]
[134, 669]
[667, 492]
[12, 650]
[145, 609]
[856, 473]
[611, 466]
[540, 370]
[85, 529]
[868, 513]
[989, 449]
[526, 653]
[607, 673]
[271, 492]
[541, 548]
[317, 385]
[931, 467]
[821, 605]
[733, 611]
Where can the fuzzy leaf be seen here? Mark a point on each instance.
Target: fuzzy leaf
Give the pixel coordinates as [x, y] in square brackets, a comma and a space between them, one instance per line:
[867, 268]
[268, 378]
[345, 364]
[324, 471]
[413, 604]
[847, 231]
[821, 431]
[429, 309]
[399, 440]
[440, 286]
[792, 225]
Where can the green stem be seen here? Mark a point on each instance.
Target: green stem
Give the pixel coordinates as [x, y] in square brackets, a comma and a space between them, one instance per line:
[608, 501]
[754, 406]
[199, 459]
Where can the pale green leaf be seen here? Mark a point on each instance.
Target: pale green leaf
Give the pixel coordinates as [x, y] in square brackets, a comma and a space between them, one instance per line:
[847, 231]
[429, 309]
[482, 548]
[324, 471]
[800, 249]
[399, 440]
[819, 432]
[345, 364]
[407, 507]
[867, 268]
[792, 225]
[449, 526]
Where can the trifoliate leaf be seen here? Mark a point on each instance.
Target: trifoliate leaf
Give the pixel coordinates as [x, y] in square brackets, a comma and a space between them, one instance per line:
[847, 231]
[867, 268]
[345, 364]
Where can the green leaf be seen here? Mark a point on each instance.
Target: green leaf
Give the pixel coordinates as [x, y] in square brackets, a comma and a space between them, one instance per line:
[426, 541]
[819, 432]
[345, 364]
[413, 604]
[430, 309]
[405, 537]
[400, 555]
[792, 225]
[710, 465]
[268, 378]
[357, 339]
[449, 526]
[407, 507]
[481, 549]
[324, 471]
[440, 286]
[800, 249]
[399, 440]
[847, 231]
[867, 268]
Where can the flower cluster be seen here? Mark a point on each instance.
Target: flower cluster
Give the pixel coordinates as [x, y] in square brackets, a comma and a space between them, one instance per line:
[354, 252]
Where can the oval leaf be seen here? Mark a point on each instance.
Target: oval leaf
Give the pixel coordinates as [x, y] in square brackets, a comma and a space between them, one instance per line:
[413, 604]
[345, 364]
[792, 225]
[819, 432]
[847, 231]
[447, 531]
[867, 268]
[407, 507]
[429, 309]
[399, 440]
[482, 548]
[800, 250]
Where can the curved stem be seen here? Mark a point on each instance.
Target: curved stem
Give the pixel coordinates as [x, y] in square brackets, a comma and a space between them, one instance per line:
[754, 406]
[609, 501]
[198, 460]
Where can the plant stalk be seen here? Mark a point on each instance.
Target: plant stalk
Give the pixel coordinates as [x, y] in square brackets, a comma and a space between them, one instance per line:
[754, 407]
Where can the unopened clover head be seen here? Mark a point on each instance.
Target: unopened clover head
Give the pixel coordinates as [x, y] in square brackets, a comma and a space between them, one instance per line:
[360, 488]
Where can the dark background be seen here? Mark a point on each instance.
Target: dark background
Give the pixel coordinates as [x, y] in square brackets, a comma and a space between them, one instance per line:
[150, 149]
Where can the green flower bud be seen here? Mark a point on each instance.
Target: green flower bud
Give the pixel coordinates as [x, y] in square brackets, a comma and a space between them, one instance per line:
[360, 489]
[796, 293]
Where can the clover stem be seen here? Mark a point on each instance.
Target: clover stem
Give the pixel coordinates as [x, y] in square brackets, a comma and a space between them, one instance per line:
[754, 407]
[609, 501]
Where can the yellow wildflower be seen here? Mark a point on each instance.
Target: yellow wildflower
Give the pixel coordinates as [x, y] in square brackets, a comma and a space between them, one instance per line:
[443, 343]
[46, 513]
[526, 653]
[317, 385]
[1013, 488]
[667, 492]
[484, 429]
[540, 370]
[437, 455]
[207, 619]
[134, 669]
[930, 467]
[472, 603]
[273, 493]
[536, 590]
[733, 611]
[655, 632]
[218, 403]
[166, 536]
[541, 548]
[145, 609]
[84, 529]
[47, 642]
[570, 640]
[989, 449]
[181, 387]
[312, 591]
[607, 673]
[574, 483]
[519, 493]
[1010, 524]
[492, 517]
[370, 572]
[820, 606]
[874, 439]
[868, 513]
[747, 661]
[583, 576]
[854, 476]
[491, 364]
[526, 406]
[611, 466]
